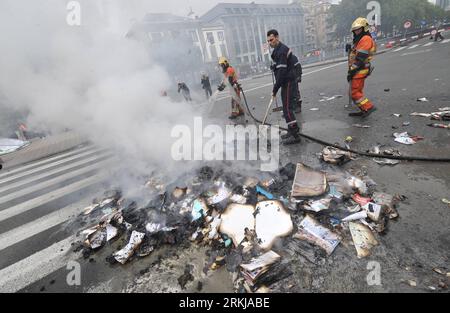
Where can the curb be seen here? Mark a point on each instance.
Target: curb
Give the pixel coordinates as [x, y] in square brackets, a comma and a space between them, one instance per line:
[42, 148]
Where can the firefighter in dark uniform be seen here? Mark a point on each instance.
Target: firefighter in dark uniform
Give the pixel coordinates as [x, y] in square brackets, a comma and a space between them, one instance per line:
[294, 62]
[286, 80]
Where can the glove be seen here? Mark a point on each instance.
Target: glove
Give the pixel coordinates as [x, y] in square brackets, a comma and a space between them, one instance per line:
[351, 74]
[273, 67]
[221, 87]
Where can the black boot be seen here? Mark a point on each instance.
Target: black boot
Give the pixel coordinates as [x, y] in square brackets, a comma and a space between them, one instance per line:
[292, 137]
[367, 113]
[285, 136]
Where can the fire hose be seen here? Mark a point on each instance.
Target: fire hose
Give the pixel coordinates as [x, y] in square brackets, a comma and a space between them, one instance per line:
[365, 154]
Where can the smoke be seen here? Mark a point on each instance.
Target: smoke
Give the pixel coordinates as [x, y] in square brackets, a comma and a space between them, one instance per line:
[87, 78]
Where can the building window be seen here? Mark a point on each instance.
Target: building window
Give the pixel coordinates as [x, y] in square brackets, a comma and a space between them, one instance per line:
[210, 37]
[194, 35]
[221, 36]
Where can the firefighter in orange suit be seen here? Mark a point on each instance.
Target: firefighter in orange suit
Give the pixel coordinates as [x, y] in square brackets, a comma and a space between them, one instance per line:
[231, 80]
[361, 54]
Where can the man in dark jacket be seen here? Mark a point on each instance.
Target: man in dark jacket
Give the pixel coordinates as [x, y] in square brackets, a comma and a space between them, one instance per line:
[286, 80]
[184, 90]
[206, 85]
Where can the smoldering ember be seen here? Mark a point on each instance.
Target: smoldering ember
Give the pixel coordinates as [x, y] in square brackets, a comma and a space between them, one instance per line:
[246, 147]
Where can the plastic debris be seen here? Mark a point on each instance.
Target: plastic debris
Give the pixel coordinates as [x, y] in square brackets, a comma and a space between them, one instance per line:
[308, 182]
[438, 116]
[439, 126]
[439, 271]
[219, 196]
[335, 156]
[335, 193]
[124, 254]
[363, 239]
[357, 184]
[312, 231]
[373, 211]
[264, 192]
[362, 201]
[387, 203]
[361, 126]
[239, 199]
[257, 267]
[314, 109]
[356, 216]
[412, 283]
[406, 123]
[446, 201]
[235, 220]
[406, 139]
[199, 209]
[386, 161]
[272, 221]
[348, 139]
[318, 205]
[387, 90]
[397, 115]
[422, 99]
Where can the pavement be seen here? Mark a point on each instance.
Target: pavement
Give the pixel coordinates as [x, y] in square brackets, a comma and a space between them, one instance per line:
[39, 198]
[42, 148]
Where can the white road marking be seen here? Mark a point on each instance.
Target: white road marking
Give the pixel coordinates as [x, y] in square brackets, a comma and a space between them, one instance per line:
[428, 44]
[41, 224]
[417, 52]
[413, 46]
[27, 271]
[45, 161]
[53, 164]
[54, 181]
[41, 200]
[399, 49]
[445, 41]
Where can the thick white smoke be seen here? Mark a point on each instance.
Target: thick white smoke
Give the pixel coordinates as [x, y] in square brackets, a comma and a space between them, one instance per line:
[87, 78]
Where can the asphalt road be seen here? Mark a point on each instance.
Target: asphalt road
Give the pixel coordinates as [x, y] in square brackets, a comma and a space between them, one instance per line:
[35, 249]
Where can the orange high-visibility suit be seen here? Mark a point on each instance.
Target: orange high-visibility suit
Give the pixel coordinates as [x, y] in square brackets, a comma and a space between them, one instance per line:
[359, 69]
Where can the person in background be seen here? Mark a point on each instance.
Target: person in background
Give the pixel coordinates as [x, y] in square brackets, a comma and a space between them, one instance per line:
[206, 85]
[185, 91]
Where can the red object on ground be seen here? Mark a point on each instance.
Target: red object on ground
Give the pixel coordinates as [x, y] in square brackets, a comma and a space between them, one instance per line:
[360, 199]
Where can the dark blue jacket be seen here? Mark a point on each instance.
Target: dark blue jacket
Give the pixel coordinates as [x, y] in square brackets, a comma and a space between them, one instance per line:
[283, 72]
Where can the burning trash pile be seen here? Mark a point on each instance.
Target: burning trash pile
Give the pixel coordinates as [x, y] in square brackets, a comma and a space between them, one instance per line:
[247, 223]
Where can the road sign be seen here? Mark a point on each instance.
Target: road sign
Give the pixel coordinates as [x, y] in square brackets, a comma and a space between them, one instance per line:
[407, 24]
